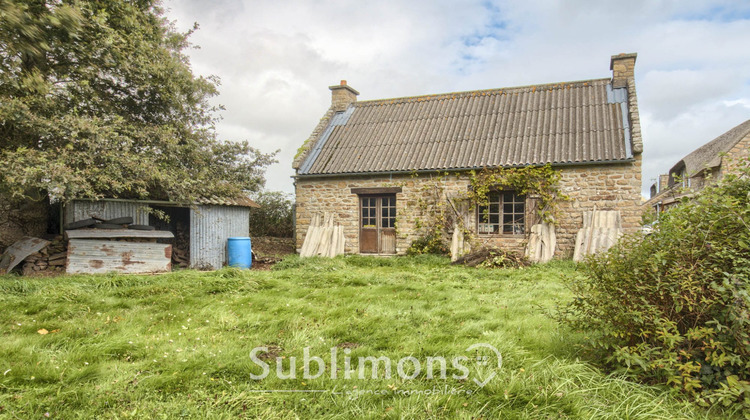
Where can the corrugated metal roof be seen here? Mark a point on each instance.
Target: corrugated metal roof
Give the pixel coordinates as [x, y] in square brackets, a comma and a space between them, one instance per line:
[236, 202]
[109, 208]
[564, 123]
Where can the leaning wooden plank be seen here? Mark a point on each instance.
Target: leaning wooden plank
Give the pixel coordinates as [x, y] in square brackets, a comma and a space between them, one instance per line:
[454, 244]
[581, 238]
[533, 248]
[548, 242]
[326, 238]
[307, 244]
[341, 242]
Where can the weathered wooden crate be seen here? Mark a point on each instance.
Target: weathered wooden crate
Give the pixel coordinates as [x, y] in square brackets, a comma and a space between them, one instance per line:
[92, 251]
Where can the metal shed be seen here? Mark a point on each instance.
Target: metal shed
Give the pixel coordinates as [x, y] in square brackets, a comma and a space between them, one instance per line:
[211, 222]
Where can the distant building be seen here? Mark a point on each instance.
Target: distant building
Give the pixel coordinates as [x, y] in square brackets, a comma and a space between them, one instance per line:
[706, 164]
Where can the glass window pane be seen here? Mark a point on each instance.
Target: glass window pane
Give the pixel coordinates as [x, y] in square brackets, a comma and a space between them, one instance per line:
[392, 212]
[494, 219]
[519, 208]
[507, 208]
[482, 212]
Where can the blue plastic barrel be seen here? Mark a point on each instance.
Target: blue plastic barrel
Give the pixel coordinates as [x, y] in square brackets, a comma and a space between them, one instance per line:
[239, 252]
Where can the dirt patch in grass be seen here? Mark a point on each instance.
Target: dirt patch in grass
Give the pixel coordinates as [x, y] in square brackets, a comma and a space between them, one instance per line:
[270, 247]
[347, 345]
[273, 352]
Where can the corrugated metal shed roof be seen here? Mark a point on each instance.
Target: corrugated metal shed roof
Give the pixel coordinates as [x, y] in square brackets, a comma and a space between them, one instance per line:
[563, 123]
[236, 202]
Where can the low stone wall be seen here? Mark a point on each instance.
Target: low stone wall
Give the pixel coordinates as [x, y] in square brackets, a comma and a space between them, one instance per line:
[604, 187]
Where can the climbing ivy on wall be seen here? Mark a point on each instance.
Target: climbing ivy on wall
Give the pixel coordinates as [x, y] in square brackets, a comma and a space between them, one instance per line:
[541, 182]
[437, 214]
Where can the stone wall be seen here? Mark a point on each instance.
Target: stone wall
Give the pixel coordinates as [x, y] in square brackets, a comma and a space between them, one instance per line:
[604, 187]
[735, 155]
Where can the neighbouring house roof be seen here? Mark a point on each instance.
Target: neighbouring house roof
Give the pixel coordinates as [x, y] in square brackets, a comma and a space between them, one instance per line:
[709, 155]
[564, 123]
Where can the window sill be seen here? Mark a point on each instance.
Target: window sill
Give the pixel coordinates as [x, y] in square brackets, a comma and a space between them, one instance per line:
[501, 235]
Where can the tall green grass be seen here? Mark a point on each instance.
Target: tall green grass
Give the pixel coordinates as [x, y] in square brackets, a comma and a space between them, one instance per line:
[178, 345]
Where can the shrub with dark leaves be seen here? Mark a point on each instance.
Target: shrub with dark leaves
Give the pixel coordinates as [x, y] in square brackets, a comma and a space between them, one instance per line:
[673, 307]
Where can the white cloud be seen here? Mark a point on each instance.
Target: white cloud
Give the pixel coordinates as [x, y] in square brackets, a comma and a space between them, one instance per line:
[277, 58]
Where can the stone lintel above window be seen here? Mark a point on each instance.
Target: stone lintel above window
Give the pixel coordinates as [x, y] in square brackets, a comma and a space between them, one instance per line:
[376, 190]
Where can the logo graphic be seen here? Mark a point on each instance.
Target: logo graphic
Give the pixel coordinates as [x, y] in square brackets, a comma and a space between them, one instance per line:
[487, 360]
[491, 358]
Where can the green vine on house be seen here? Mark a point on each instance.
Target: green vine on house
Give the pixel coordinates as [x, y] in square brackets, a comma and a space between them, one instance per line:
[437, 214]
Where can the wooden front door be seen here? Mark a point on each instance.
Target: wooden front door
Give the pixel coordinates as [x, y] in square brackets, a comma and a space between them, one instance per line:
[377, 224]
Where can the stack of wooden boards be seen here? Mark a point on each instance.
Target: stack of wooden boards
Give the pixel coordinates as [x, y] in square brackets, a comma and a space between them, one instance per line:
[181, 247]
[601, 230]
[323, 238]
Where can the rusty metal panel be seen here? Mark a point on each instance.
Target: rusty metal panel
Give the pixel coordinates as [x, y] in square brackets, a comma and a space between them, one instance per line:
[89, 256]
[84, 209]
[118, 233]
[210, 227]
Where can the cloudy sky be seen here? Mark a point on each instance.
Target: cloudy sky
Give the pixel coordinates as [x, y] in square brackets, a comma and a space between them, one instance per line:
[277, 58]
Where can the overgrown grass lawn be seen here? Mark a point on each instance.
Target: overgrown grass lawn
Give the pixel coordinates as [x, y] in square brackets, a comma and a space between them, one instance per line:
[178, 345]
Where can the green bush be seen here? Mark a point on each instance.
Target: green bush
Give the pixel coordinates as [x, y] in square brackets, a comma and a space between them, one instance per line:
[672, 307]
[274, 217]
[431, 243]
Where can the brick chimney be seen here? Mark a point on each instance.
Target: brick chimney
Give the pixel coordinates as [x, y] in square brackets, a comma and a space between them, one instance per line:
[622, 66]
[342, 95]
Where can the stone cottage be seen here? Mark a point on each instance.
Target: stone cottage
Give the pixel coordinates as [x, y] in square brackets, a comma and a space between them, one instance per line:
[366, 161]
[707, 163]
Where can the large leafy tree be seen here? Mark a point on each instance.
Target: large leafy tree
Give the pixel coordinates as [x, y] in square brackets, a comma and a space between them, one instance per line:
[97, 98]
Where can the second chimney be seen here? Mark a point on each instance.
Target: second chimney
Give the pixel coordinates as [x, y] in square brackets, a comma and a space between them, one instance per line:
[342, 96]
[623, 69]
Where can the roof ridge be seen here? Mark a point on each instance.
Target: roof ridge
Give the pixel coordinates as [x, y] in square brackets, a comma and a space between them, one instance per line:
[543, 86]
[707, 153]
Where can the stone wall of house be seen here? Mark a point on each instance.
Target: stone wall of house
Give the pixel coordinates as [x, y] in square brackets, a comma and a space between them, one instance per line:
[736, 154]
[604, 187]
[21, 218]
